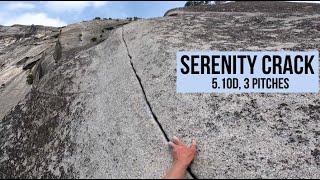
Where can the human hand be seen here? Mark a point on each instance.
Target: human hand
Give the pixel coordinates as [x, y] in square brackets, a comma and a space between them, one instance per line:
[182, 154]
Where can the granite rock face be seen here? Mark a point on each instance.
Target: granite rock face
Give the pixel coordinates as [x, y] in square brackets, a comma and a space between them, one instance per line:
[21, 47]
[240, 135]
[34, 50]
[105, 107]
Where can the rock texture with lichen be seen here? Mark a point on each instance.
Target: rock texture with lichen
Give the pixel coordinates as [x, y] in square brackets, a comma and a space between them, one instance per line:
[105, 108]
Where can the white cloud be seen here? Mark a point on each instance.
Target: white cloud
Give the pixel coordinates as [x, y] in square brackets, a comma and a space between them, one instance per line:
[99, 3]
[73, 5]
[34, 18]
[20, 5]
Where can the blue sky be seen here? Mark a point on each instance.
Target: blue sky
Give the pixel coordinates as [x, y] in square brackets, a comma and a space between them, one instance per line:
[60, 13]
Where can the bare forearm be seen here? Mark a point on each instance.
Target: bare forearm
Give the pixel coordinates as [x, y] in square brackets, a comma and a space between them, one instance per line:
[182, 158]
[177, 171]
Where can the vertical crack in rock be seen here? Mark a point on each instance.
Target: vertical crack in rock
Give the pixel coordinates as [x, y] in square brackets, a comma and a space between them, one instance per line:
[143, 91]
[146, 99]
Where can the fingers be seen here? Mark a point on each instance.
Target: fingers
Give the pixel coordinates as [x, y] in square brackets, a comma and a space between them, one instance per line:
[172, 145]
[177, 141]
[194, 145]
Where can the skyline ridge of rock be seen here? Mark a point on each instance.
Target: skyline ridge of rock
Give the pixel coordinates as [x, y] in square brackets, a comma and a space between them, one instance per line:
[103, 100]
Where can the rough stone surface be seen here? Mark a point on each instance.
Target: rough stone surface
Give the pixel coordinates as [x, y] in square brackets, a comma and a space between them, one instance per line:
[65, 129]
[35, 50]
[94, 112]
[250, 6]
[240, 135]
[67, 126]
[20, 48]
